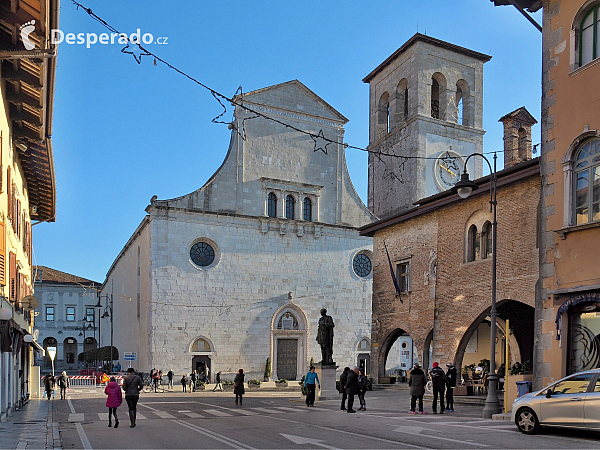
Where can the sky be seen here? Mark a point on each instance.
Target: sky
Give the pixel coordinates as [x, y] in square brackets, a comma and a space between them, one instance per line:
[123, 131]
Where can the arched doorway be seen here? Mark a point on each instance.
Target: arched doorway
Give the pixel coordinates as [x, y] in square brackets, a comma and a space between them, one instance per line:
[202, 350]
[363, 360]
[399, 354]
[69, 353]
[48, 342]
[289, 345]
[475, 345]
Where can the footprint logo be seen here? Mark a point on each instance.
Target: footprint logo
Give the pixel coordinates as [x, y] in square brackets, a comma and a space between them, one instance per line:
[26, 29]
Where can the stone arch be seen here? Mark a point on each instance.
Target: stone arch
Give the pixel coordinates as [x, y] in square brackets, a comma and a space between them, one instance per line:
[463, 95]
[201, 345]
[521, 322]
[438, 95]
[386, 346]
[294, 336]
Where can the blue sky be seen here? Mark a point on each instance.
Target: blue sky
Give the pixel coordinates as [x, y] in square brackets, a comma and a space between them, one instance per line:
[124, 132]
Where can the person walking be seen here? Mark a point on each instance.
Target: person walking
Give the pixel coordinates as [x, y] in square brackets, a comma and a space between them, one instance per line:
[343, 381]
[451, 377]
[170, 377]
[132, 384]
[362, 386]
[155, 379]
[184, 382]
[218, 382]
[438, 382]
[417, 382]
[113, 401]
[190, 382]
[194, 378]
[352, 388]
[238, 384]
[49, 383]
[63, 384]
[311, 380]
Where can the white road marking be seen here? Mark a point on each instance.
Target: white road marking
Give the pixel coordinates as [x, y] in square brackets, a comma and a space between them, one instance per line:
[417, 431]
[216, 412]
[149, 407]
[267, 410]
[301, 440]
[103, 416]
[211, 434]
[287, 408]
[164, 414]
[192, 415]
[85, 443]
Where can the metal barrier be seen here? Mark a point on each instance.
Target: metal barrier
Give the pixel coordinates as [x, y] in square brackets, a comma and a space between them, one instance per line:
[82, 380]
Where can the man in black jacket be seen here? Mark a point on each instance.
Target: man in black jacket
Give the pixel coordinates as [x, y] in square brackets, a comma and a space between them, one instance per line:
[451, 384]
[343, 381]
[352, 388]
[438, 381]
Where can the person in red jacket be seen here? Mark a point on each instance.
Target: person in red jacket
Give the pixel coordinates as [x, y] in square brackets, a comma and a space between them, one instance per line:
[113, 401]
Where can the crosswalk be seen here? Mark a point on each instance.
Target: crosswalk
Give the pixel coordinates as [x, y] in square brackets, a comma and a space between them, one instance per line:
[208, 413]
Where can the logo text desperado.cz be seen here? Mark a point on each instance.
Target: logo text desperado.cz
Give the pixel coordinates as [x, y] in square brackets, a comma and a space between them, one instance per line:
[58, 36]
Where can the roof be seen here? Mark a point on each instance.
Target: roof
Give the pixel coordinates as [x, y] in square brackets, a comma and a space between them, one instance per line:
[529, 5]
[506, 176]
[29, 76]
[418, 37]
[520, 115]
[47, 275]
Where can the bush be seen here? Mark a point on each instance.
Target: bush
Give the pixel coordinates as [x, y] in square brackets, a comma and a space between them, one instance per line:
[268, 368]
[255, 381]
[281, 380]
[227, 383]
[369, 384]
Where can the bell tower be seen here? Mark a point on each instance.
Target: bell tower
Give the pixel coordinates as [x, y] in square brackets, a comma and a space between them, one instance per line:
[425, 118]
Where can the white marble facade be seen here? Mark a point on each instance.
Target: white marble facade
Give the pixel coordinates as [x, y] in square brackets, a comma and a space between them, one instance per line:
[259, 292]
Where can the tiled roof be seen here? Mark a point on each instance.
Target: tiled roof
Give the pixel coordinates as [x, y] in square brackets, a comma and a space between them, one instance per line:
[44, 274]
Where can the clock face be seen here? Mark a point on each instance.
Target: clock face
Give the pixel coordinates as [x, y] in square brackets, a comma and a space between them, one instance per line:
[448, 168]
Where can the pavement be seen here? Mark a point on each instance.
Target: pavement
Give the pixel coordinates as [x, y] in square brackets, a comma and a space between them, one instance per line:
[31, 427]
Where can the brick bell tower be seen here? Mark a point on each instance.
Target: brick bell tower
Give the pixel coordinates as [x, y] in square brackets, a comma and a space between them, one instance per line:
[517, 136]
[426, 101]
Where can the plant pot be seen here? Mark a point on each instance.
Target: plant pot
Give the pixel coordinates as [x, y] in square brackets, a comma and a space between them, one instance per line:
[281, 385]
[252, 387]
[228, 387]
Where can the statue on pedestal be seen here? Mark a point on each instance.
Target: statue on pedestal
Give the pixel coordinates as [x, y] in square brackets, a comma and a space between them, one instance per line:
[325, 337]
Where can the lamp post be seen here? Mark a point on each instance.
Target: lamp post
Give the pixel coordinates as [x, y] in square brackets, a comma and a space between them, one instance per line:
[109, 307]
[99, 306]
[464, 188]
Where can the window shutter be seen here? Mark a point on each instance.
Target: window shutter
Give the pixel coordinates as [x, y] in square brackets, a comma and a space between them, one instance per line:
[12, 267]
[9, 193]
[2, 255]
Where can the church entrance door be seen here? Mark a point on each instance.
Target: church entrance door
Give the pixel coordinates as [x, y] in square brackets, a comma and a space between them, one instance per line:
[202, 365]
[287, 358]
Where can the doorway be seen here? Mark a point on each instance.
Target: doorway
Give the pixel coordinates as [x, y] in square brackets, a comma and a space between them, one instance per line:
[201, 364]
[287, 358]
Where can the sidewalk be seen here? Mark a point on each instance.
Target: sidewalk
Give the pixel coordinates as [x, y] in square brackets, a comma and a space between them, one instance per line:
[31, 427]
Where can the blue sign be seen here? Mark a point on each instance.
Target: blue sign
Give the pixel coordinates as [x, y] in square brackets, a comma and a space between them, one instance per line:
[129, 356]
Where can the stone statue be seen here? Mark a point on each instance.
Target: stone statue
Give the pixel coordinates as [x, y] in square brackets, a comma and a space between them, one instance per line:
[325, 337]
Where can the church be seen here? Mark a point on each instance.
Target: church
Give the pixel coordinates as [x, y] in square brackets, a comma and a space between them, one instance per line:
[237, 271]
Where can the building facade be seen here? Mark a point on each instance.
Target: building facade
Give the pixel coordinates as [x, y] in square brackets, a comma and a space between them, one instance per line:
[238, 271]
[68, 317]
[568, 298]
[27, 184]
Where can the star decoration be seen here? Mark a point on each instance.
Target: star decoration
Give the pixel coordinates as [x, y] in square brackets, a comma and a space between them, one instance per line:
[320, 139]
[450, 161]
[390, 173]
[136, 50]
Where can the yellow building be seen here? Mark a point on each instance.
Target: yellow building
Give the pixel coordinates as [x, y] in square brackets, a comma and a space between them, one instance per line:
[27, 184]
[568, 293]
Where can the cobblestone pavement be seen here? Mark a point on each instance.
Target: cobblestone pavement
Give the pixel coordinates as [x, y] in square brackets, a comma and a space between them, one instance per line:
[31, 427]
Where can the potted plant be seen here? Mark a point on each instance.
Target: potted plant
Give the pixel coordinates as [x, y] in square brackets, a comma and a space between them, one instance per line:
[254, 384]
[200, 386]
[267, 374]
[281, 383]
[302, 387]
[228, 385]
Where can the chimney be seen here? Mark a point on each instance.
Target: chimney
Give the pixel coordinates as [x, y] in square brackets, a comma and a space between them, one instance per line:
[517, 136]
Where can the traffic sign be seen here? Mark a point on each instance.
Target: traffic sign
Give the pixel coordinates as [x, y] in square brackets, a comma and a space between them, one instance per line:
[129, 356]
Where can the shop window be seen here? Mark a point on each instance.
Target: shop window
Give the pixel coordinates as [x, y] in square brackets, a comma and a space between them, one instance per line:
[584, 338]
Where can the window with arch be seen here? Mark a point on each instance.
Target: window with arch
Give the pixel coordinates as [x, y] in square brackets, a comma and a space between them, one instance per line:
[287, 321]
[589, 36]
[587, 182]
[272, 205]
[486, 239]
[383, 114]
[201, 345]
[435, 99]
[307, 209]
[290, 206]
[463, 116]
[474, 244]
[459, 106]
[363, 345]
[402, 99]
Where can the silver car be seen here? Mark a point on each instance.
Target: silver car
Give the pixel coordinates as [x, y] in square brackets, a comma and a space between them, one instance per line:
[573, 402]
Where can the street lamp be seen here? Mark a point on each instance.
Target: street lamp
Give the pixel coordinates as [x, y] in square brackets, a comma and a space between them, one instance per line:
[464, 188]
[109, 307]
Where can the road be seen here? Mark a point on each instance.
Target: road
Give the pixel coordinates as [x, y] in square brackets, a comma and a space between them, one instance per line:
[277, 420]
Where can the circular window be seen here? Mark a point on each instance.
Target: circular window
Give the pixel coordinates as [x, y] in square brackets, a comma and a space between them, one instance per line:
[202, 254]
[362, 265]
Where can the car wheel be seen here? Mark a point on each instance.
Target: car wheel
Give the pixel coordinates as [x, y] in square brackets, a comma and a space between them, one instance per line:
[527, 422]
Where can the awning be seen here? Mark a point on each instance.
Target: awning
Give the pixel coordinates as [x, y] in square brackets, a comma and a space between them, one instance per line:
[587, 297]
[38, 348]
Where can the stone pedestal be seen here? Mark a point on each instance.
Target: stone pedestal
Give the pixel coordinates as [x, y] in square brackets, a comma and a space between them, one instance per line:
[328, 378]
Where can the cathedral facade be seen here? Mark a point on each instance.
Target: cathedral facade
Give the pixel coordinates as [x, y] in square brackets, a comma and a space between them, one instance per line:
[238, 271]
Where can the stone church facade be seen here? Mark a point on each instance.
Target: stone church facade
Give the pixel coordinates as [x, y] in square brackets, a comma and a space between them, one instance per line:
[237, 271]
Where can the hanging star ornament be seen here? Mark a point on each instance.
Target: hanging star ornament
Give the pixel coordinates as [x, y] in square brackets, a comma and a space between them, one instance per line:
[320, 139]
[136, 50]
[450, 161]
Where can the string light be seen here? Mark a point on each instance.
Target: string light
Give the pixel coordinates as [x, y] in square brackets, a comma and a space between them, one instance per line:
[319, 139]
